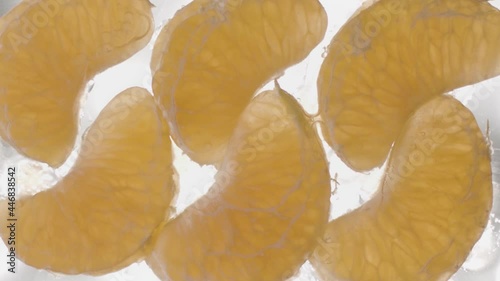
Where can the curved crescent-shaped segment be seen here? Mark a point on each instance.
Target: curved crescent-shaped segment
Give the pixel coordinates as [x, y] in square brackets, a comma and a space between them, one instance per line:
[392, 57]
[269, 204]
[100, 217]
[213, 56]
[49, 49]
[432, 206]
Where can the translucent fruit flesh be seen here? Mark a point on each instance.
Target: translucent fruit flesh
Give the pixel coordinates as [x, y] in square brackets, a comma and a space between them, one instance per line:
[213, 56]
[100, 216]
[393, 56]
[270, 202]
[431, 209]
[50, 49]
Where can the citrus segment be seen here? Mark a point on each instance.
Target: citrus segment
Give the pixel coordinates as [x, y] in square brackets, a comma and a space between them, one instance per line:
[393, 56]
[270, 202]
[430, 210]
[100, 216]
[213, 56]
[50, 49]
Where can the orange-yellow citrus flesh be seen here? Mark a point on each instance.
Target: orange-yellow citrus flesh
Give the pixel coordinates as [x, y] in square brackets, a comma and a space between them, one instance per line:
[100, 216]
[269, 205]
[393, 56]
[432, 206]
[213, 56]
[49, 50]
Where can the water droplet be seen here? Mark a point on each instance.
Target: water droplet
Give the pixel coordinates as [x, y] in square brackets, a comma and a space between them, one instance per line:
[90, 86]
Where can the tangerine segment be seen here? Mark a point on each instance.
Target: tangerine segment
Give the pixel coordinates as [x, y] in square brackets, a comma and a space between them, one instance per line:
[50, 49]
[393, 56]
[100, 216]
[431, 209]
[214, 55]
[270, 202]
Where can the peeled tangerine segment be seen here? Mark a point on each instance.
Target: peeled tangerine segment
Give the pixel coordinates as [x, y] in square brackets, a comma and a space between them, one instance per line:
[269, 204]
[393, 56]
[213, 56]
[432, 207]
[50, 49]
[100, 216]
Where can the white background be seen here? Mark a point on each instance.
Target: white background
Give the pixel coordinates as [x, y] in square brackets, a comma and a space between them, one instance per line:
[300, 80]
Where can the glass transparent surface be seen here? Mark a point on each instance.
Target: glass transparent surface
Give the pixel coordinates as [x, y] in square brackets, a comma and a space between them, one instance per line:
[300, 80]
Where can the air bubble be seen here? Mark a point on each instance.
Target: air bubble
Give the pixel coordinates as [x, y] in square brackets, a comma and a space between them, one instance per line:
[325, 52]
